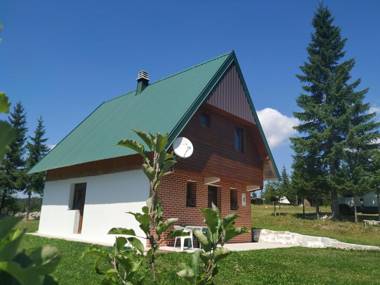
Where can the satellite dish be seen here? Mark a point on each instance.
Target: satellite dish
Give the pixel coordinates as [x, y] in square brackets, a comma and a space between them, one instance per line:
[183, 147]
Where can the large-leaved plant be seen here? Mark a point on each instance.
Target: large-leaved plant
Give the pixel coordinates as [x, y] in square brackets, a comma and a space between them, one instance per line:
[204, 265]
[21, 267]
[126, 263]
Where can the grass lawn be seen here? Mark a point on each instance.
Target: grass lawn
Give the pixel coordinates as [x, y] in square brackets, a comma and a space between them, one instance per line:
[277, 266]
[291, 219]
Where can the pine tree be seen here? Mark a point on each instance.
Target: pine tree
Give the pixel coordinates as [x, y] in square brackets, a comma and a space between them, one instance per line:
[12, 171]
[332, 113]
[300, 186]
[272, 194]
[37, 149]
[375, 176]
[308, 177]
[286, 187]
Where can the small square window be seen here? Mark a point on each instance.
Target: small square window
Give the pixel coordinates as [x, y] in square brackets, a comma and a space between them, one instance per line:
[191, 194]
[205, 120]
[233, 199]
[239, 139]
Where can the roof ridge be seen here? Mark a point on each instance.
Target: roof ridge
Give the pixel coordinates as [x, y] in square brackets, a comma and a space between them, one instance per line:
[192, 67]
[174, 74]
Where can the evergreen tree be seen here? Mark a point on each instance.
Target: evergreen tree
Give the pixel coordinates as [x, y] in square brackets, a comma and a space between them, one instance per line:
[375, 176]
[334, 121]
[272, 194]
[12, 168]
[300, 186]
[286, 187]
[37, 149]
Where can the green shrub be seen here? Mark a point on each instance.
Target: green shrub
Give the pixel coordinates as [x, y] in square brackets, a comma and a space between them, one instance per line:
[20, 267]
[204, 265]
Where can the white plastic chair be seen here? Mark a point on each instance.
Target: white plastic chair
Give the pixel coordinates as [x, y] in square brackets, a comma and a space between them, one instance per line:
[182, 239]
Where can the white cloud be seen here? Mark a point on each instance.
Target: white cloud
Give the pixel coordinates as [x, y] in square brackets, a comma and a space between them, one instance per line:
[375, 109]
[277, 126]
[51, 146]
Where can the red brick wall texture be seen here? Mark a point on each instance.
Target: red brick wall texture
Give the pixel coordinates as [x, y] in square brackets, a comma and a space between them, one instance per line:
[173, 199]
[214, 156]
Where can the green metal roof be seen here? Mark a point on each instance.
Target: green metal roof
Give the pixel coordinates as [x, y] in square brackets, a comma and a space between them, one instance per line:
[164, 106]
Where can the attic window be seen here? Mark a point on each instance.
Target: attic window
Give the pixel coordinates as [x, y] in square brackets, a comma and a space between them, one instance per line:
[205, 120]
[239, 139]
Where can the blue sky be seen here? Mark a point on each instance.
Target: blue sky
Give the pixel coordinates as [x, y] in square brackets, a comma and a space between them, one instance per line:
[63, 58]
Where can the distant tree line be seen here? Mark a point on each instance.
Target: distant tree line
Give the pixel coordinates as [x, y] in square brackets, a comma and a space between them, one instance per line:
[21, 154]
[336, 150]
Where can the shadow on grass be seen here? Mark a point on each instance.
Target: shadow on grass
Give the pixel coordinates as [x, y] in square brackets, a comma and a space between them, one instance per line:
[310, 216]
[280, 214]
[342, 218]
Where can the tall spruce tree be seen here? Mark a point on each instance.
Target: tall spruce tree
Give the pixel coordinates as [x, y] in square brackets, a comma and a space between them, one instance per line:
[37, 149]
[12, 168]
[334, 121]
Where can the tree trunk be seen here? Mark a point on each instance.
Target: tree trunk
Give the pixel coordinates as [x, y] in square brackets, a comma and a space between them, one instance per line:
[378, 203]
[334, 205]
[317, 209]
[274, 209]
[303, 208]
[29, 202]
[2, 201]
[355, 212]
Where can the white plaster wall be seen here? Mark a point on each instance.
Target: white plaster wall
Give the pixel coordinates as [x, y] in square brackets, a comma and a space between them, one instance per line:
[108, 199]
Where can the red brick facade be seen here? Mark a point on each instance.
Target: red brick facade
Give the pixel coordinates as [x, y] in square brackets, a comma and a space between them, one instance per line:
[214, 156]
[173, 198]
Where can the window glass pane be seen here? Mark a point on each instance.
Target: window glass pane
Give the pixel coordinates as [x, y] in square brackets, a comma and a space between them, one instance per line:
[239, 139]
[77, 196]
[205, 120]
[191, 194]
[233, 200]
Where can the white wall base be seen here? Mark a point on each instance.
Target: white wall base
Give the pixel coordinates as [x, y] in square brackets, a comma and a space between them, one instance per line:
[108, 199]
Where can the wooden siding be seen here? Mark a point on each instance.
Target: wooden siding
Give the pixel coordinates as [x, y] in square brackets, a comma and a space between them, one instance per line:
[229, 96]
[96, 168]
[214, 151]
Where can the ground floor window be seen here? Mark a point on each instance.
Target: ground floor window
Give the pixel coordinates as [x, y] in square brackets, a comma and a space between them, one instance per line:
[191, 194]
[213, 196]
[233, 199]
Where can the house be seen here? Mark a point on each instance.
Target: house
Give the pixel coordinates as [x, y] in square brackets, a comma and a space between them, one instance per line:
[91, 182]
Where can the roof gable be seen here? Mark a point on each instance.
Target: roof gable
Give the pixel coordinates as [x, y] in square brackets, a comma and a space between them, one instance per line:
[159, 108]
[229, 96]
[165, 106]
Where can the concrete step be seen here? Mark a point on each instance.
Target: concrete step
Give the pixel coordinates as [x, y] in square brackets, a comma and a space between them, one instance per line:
[295, 239]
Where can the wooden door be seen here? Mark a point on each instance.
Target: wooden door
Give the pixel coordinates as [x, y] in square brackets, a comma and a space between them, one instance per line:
[78, 202]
